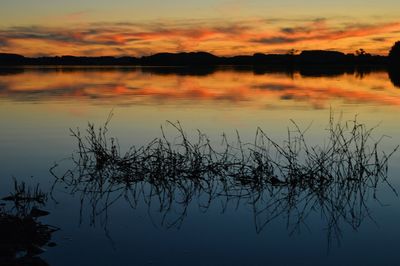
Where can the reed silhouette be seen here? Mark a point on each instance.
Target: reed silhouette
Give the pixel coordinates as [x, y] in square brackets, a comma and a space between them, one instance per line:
[22, 235]
[291, 180]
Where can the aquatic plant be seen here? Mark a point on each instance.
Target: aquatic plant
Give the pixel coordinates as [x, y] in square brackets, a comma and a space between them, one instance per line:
[291, 179]
[24, 196]
[22, 235]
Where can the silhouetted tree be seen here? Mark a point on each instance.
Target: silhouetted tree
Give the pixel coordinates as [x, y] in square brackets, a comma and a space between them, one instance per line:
[394, 59]
[394, 54]
[360, 52]
[293, 52]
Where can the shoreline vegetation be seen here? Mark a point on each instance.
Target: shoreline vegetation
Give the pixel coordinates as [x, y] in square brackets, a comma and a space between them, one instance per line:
[24, 236]
[292, 59]
[193, 59]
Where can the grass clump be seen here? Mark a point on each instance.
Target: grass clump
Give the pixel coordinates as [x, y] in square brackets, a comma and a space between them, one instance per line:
[22, 235]
[292, 179]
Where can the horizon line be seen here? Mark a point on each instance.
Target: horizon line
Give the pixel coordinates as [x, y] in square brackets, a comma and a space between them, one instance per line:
[295, 53]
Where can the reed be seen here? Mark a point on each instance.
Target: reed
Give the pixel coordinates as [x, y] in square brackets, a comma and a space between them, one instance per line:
[291, 179]
[22, 235]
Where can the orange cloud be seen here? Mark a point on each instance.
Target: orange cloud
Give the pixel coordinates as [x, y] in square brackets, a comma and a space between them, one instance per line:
[223, 38]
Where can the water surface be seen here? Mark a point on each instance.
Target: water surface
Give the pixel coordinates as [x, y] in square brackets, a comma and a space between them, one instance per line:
[40, 105]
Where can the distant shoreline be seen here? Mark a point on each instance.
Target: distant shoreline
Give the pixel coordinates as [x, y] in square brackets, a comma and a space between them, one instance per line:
[305, 59]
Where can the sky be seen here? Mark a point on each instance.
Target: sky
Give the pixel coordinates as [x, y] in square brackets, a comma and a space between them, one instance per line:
[222, 27]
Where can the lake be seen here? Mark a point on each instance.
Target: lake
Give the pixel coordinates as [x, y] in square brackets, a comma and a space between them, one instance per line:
[173, 222]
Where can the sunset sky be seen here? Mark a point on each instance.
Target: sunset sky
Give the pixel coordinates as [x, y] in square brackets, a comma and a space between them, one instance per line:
[126, 27]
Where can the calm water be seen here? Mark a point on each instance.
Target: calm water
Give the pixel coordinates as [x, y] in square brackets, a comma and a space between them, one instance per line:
[39, 106]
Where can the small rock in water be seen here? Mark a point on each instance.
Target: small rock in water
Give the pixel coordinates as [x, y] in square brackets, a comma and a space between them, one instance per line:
[35, 212]
[275, 181]
[51, 244]
[35, 250]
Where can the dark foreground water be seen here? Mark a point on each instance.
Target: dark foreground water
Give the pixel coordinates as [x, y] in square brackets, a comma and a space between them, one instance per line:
[145, 221]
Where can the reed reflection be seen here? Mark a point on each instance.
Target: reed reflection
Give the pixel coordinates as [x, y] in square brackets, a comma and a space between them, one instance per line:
[293, 180]
[254, 87]
[23, 236]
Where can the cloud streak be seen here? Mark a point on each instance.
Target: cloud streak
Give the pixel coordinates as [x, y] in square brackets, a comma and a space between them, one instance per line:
[320, 31]
[223, 38]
